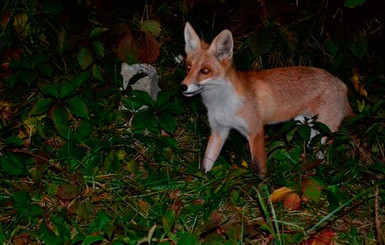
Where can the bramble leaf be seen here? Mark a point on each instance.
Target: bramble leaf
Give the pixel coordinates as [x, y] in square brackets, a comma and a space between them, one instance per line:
[77, 106]
[41, 106]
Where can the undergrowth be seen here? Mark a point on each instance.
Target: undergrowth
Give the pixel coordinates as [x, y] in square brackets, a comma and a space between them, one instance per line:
[77, 168]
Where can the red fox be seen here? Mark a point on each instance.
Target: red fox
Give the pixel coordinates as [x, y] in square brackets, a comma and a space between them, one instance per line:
[246, 101]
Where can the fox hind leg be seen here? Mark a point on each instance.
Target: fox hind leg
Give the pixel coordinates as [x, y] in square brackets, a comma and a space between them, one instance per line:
[258, 156]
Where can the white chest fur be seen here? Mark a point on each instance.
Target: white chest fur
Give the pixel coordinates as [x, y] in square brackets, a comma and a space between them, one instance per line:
[222, 105]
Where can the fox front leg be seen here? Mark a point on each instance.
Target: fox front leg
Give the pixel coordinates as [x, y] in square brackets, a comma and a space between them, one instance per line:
[214, 146]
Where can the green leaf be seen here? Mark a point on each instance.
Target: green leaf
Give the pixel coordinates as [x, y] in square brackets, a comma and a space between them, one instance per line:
[71, 150]
[145, 119]
[13, 140]
[189, 239]
[60, 90]
[142, 98]
[77, 107]
[304, 131]
[173, 107]
[60, 115]
[167, 121]
[41, 106]
[353, 3]
[151, 26]
[377, 167]
[321, 127]
[84, 208]
[39, 59]
[92, 239]
[97, 72]
[359, 47]
[288, 126]
[162, 98]
[131, 104]
[45, 70]
[62, 229]
[84, 131]
[98, 48]
[47, 235]
[81, 78]
[28, 76]
[331, 47]
[19, 64]
[2, 235]
[66, 89]
[168, 221]
[12, 164]
[50, 90]
[97, 32]
[54, 7]
[22, 201]
[101, 222]
[84, 58]
[311, 189]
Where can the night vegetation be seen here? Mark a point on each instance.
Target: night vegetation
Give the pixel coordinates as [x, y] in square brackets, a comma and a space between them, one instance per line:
[76, 168]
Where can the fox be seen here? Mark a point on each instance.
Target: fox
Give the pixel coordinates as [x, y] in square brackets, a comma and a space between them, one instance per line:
[248, 100]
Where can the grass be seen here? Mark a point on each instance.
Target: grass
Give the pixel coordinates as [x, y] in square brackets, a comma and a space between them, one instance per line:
[75, 169]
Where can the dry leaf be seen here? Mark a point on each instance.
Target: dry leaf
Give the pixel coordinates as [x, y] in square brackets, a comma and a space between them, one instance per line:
[323, 238]
[67, 191]
[280, 194]
[292, 202]
[21, 240]
[148, 48]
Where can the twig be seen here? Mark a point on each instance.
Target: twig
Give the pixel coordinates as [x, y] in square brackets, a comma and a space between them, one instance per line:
[377, 218]
[15, 150]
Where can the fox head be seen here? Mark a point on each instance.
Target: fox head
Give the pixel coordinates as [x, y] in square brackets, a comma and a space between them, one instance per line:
[206, 65]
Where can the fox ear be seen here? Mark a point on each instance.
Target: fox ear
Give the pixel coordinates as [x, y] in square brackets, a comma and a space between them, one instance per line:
[222, 45]
[193, 42]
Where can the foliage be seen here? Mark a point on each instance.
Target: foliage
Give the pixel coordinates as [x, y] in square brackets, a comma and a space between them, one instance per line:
[85, 162]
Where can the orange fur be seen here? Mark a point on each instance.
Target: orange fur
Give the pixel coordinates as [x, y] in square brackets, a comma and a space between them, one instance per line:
[246, 101]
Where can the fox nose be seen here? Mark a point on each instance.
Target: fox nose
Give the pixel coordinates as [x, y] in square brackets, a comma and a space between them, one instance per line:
[183, 87]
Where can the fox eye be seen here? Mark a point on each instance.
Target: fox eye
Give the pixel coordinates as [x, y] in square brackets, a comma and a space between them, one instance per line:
[188, 67]
[205, 71]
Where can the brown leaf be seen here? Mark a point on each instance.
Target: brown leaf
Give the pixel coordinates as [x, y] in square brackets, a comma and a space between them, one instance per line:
[176, 206]
[292, 202]
[5, 110]
[127, 47]
[198, 201]
[143, 206]
[216, 217]
[7, 57]
[174, 194]
[148, 48]
[99, 197]
[323, 238]
[280, 194]
[6, 17]
[21, 240]
[67, 191]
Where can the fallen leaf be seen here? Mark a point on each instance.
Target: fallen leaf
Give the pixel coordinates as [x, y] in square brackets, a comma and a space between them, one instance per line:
[21, 240]
[280, 194]
[67, 191]
[311, 188]
[176, 206]
[292, 201]
[323, 238]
